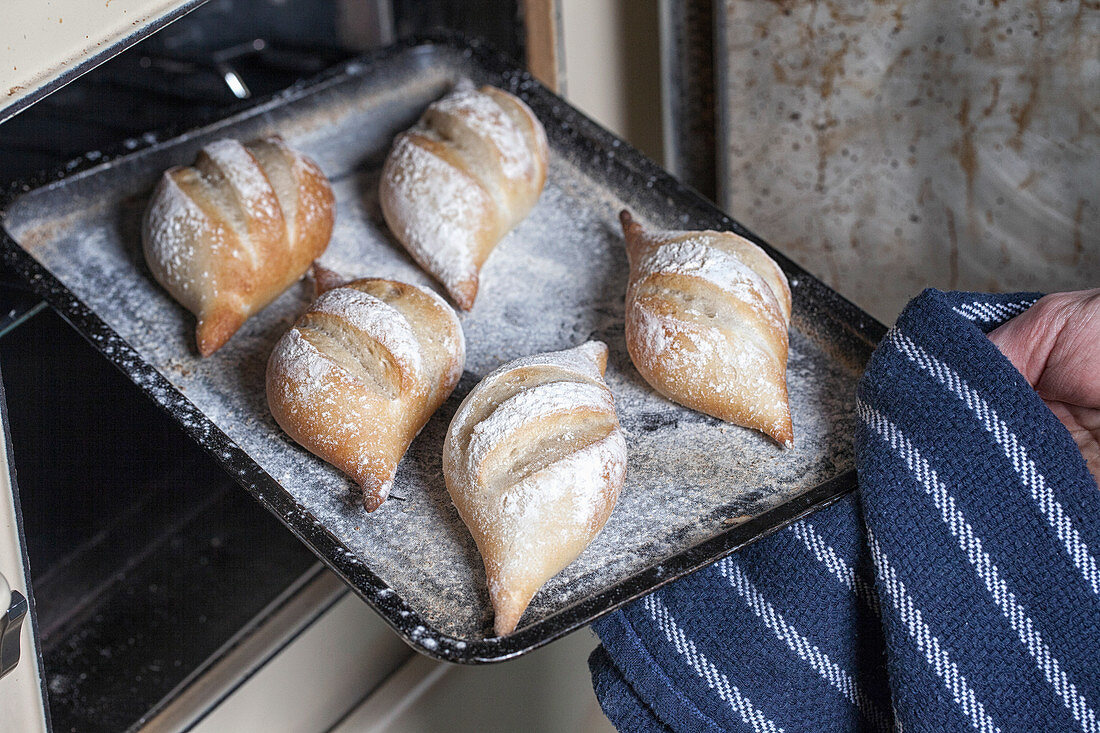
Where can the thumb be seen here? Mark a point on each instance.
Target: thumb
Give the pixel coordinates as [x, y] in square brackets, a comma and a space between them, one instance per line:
[1055, 345]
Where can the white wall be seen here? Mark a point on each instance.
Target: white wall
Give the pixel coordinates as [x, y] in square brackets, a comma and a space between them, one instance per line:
[613, 67]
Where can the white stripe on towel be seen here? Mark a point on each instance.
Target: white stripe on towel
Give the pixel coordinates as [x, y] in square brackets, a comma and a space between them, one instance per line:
[1013, 449]
[840, 569]
[829, 670]
[938, 658]
[972, 547]
[698, 661]
[989, 312]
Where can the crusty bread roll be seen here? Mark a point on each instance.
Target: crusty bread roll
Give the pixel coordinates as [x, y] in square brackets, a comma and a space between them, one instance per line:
[456, 183]
[361, 372]
[534, 460]
[228, 235]
[707, 315]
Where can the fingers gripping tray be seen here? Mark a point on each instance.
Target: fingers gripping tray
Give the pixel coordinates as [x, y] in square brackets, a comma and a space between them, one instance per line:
[696, 488]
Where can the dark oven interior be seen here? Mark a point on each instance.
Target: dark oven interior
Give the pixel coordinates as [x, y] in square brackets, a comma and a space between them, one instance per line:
[145, 557]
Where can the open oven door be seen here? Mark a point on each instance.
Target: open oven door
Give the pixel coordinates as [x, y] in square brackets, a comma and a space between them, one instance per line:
[44, 46]
[22, 688]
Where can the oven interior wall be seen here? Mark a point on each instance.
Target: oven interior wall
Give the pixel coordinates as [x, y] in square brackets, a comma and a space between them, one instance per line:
[145, 557]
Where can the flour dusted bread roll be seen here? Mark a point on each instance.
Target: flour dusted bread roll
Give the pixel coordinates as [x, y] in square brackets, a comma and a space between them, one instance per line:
[534, 460]
[456, 183]
[226, 236]
[361, 372]
[707, 315]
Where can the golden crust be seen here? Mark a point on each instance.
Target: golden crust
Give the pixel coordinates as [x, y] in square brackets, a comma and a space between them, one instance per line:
[216, 236]
[452, 186]
[707, 318]
[361, 372]
[534, 461]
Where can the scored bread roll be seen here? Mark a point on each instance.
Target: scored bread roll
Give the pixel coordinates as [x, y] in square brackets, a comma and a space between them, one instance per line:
[469, 171]
[707, 315]
[227, 235]
[534, 460]
[361, 372]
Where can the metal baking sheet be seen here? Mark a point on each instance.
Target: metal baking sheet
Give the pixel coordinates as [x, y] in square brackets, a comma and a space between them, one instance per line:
[696, 488]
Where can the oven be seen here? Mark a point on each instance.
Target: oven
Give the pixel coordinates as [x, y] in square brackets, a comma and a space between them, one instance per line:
[152, 593]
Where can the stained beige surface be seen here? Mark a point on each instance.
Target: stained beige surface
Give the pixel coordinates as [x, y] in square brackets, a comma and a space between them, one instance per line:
[41, 39]
[893, 146]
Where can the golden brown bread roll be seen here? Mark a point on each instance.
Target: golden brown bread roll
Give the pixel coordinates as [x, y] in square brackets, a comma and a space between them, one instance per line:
[456, 183]
[534, 460]
[361, 372]
[226, 236]
[707, 315]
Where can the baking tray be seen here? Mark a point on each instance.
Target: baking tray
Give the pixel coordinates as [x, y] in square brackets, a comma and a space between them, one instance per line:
[696, 488]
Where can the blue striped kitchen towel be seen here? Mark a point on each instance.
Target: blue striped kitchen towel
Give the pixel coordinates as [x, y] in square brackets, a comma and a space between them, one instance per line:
[958, 590]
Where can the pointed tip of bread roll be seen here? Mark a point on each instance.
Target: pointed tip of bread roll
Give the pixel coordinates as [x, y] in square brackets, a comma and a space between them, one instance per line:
[376, 486]
[214, 329]
[596, 351]
[325, 279]
[631, 228]
[508, 608]
[634, 234]
[782, 433]
[372, 501]
[463, 293]
[774, 421]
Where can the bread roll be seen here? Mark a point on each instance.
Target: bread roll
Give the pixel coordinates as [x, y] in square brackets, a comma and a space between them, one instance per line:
[456, 183]
[707, 315]
[534, 460]
[228, 235]
[361, 372]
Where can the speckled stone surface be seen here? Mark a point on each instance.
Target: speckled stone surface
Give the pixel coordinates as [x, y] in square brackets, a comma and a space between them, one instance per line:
[892, 146]
[554, 282]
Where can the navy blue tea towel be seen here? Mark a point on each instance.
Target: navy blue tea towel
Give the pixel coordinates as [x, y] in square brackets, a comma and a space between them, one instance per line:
[959, 590]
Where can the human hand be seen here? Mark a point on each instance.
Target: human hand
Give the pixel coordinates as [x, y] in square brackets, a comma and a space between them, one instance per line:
[1055, 344]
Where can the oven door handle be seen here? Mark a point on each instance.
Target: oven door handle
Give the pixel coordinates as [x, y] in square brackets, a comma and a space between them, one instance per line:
[11, 623]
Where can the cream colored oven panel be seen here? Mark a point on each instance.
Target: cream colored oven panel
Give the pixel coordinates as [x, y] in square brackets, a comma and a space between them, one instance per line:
[44, 44]
[21, 702]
